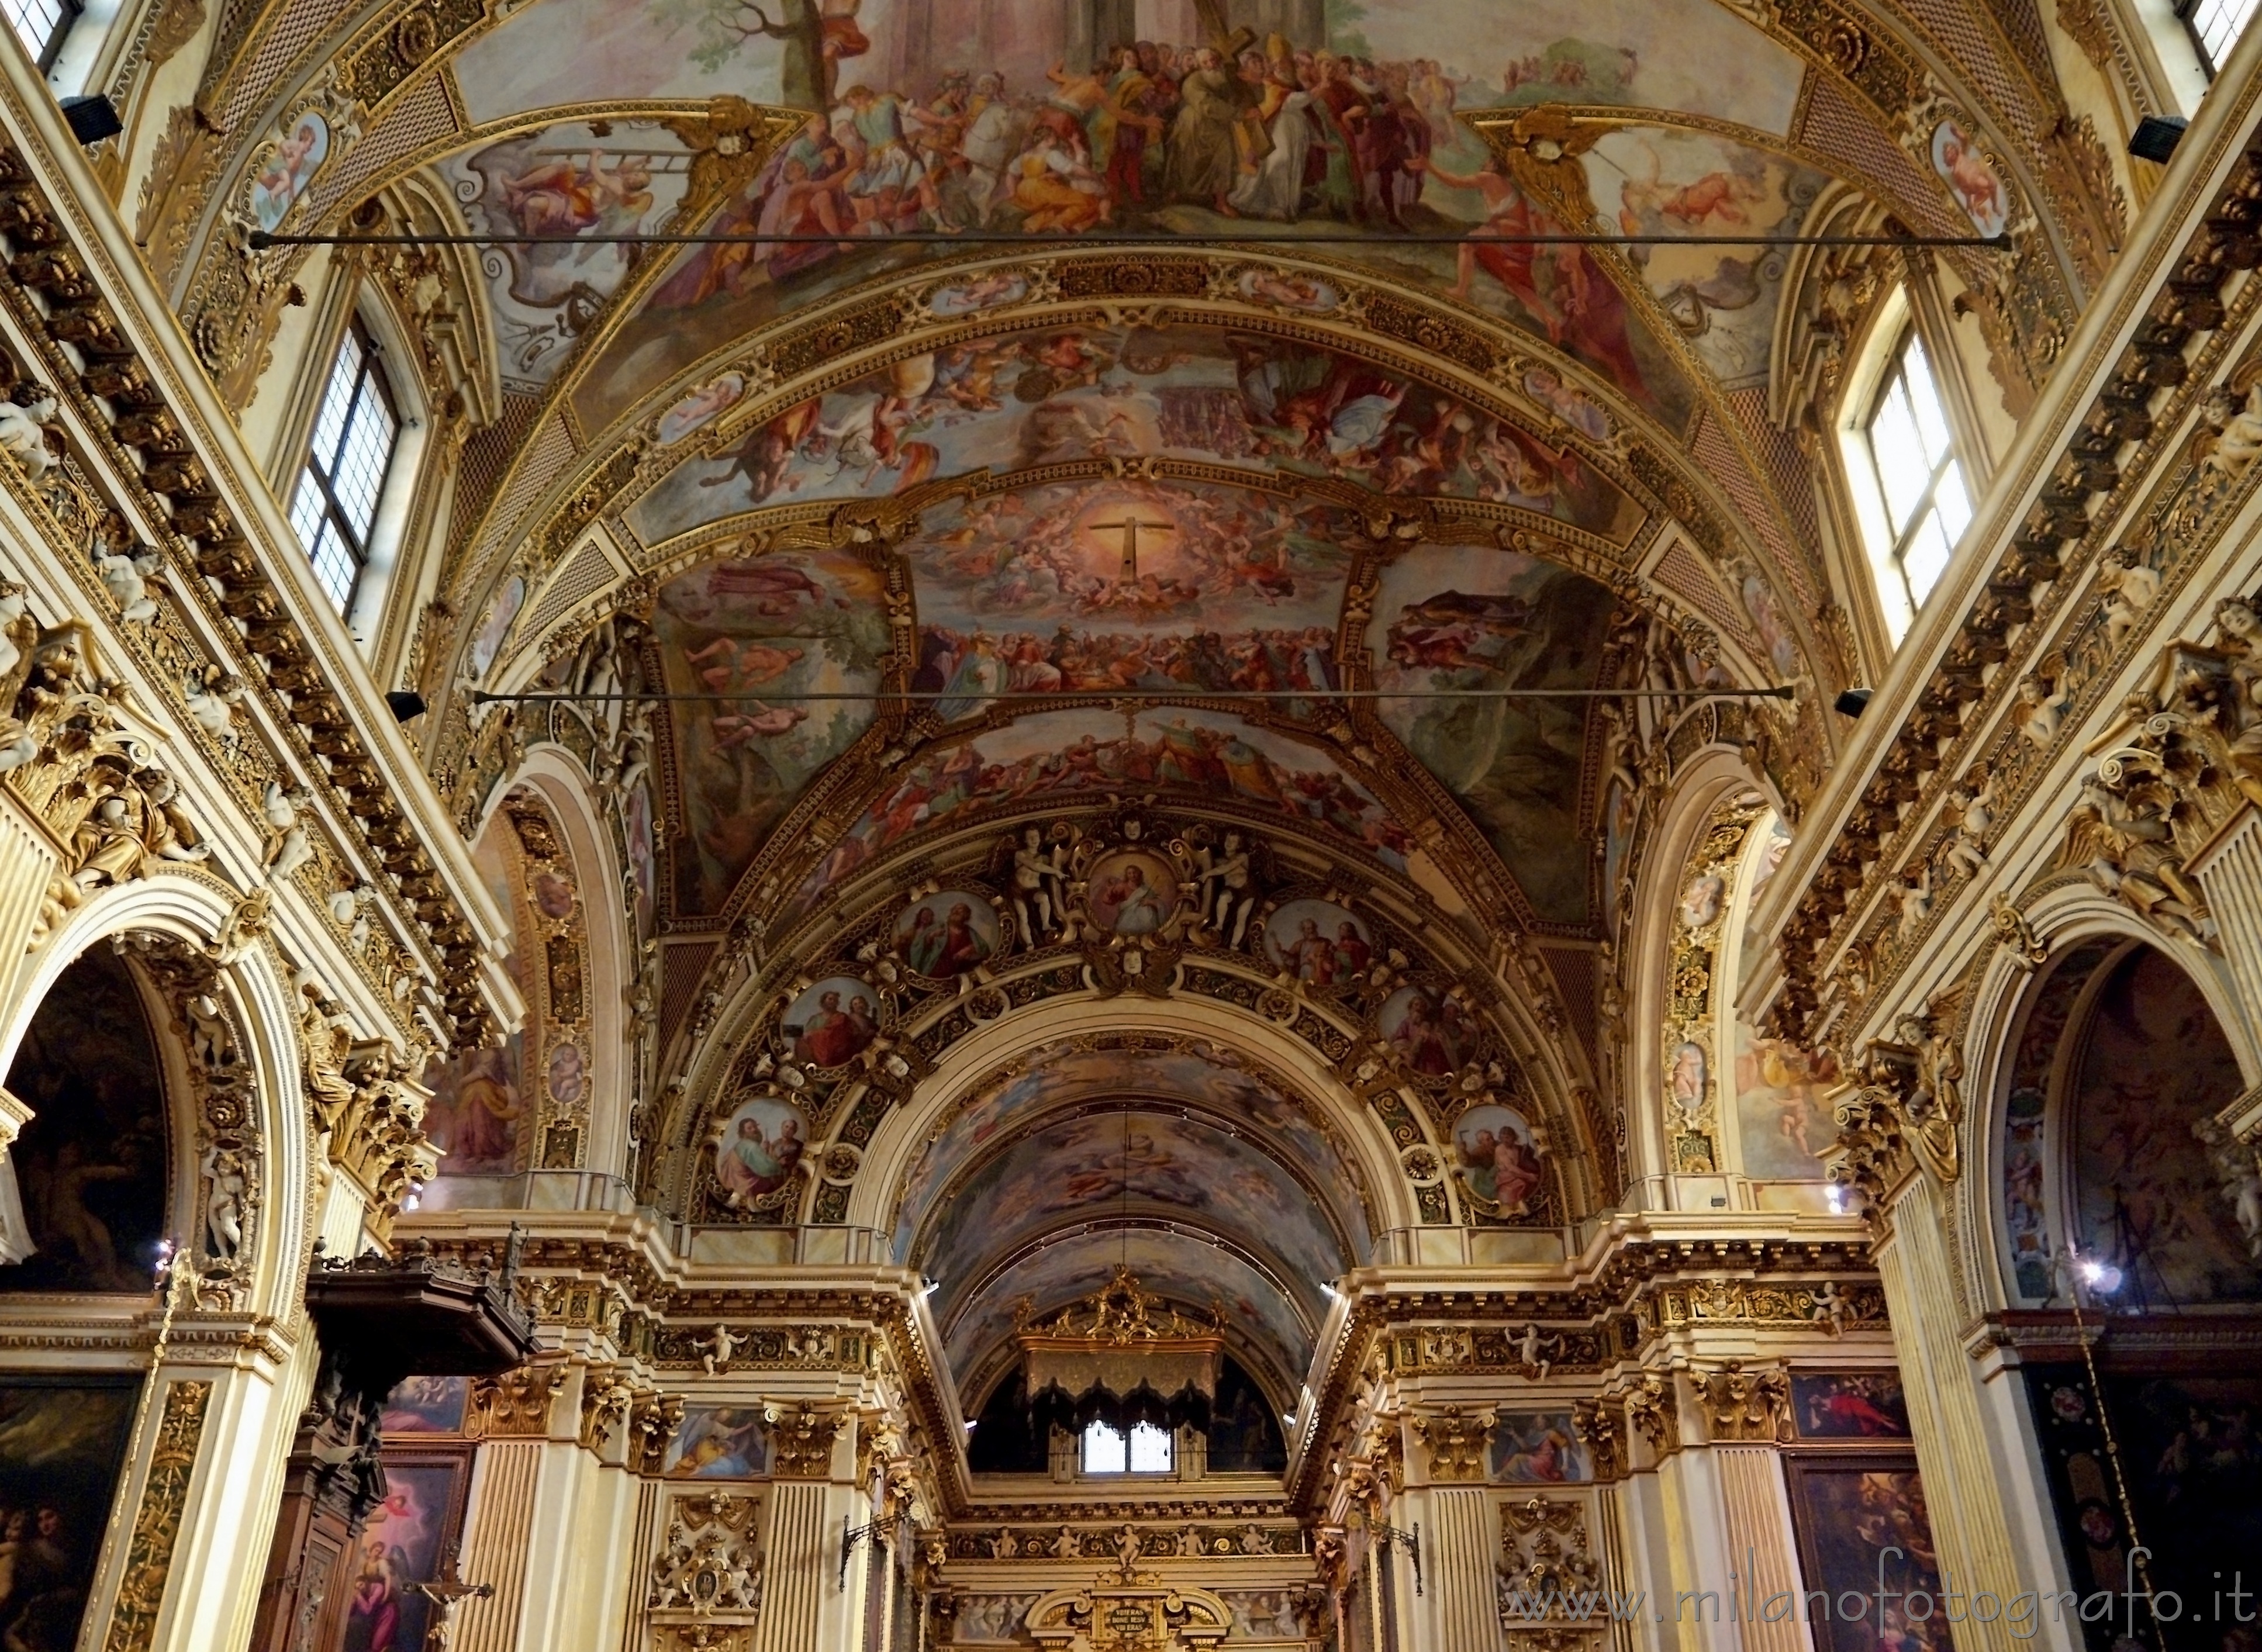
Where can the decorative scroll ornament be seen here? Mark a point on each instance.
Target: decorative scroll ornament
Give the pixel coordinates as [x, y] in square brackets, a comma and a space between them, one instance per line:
[1909, 1107]
[1121, 1615]
[516, 1403]
[1121, 1337]
[1600, 1426]
[710, 1567]
[1652, 1409]
[1546, 1567]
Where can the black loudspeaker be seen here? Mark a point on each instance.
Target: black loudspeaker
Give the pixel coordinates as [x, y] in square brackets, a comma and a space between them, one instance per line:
[1853, 702]
[92, 118]
[404, 705]
[2155, 137]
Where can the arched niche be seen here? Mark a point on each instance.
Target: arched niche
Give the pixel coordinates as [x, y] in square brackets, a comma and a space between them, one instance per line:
[87, 1203]
[551, 1096]
[1778, 1124]
[2116, 1063]
[224, 1028]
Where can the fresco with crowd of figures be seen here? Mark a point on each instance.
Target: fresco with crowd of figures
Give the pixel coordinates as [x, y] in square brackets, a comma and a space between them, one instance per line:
[955, 115]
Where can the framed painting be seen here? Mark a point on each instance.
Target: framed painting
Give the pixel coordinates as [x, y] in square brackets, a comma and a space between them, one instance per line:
[1865, 1405]
[370, 1606]
[1865, 1540]
[61, 1446]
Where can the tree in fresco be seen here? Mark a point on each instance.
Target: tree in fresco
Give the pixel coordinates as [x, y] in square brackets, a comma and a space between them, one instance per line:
[814, 36]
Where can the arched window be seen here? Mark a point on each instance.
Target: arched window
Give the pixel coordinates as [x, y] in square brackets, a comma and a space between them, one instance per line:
[1908, 481]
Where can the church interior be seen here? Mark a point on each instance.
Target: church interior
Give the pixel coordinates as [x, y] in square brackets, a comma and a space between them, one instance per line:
[1130, 825]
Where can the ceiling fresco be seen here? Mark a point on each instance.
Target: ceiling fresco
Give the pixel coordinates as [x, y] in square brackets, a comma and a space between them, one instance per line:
[1448, 621]
[1088, 588]
[1023, 398]
[1212, 1076]
[955, 115]
[1178, 1263]
[1077, 1169]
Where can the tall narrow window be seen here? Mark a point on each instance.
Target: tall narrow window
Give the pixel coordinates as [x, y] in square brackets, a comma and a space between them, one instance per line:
[2217, 25]
[41, 25]
[354, 435]
[1918, 482]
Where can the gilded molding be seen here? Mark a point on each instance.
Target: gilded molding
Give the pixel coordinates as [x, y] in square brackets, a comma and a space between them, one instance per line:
[157, 1520]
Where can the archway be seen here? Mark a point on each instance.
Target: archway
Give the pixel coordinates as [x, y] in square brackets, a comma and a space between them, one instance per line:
[2114, 1216]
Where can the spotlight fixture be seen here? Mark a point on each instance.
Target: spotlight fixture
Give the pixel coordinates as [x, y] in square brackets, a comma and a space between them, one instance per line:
[2102, 1278]
[91, 119]
[1852, 701]
[2155, 137]
[404, 705]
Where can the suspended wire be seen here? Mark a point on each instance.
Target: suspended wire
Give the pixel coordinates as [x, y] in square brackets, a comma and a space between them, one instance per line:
[262, 240]
[974, 696]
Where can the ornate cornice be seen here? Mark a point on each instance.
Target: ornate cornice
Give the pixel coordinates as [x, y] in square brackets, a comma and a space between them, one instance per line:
[59, 289]
[2172, 326]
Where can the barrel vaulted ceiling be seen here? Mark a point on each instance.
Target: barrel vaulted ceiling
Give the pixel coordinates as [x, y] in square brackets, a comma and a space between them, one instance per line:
[1358, 455]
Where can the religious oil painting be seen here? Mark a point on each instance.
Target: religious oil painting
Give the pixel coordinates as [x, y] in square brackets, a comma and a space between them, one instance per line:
[759, 635]
[1862, 1529]
[718, 1442]
[831, 1022]
[90, 1166]
[1433, 1034]
[1537, 1447]
[426, 1405]
[1498, 1161]
[62, 1443]
[946, 935]
[476, 1108]
[1318, 943]
[1848, 1405]
[762, 1144]
[377, 1609]
[1447, 622]
[1132, 893]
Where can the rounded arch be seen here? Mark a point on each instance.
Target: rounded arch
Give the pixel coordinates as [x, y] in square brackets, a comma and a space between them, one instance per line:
[1714, 788]
[608, 948]
[250, 1102]
[2042, 1145]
